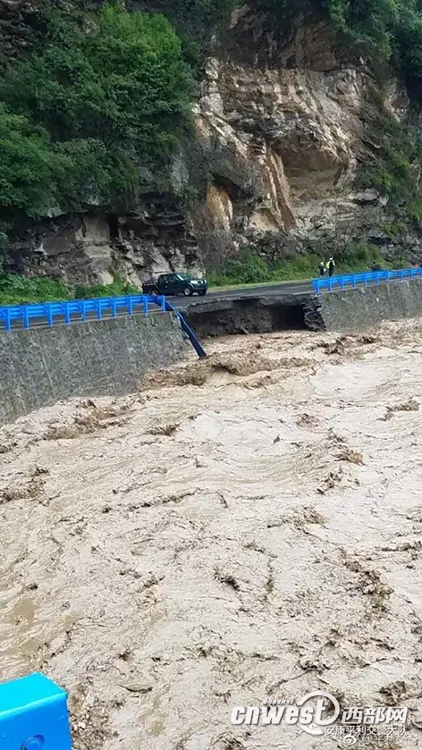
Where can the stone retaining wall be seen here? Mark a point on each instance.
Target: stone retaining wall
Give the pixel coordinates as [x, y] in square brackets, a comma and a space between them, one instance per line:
[98, 358]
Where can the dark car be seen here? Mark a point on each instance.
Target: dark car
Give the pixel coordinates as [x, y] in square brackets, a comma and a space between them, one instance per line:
[172, 284]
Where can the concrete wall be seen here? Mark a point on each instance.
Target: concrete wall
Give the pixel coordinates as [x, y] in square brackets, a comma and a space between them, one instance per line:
[110, 357]
[356, 309]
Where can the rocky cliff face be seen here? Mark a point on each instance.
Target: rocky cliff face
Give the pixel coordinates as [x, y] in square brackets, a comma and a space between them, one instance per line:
[284, 126]
[281, 125]
[89, 248]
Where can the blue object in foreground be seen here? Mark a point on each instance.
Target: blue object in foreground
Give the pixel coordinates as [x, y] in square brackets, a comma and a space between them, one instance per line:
[33, 715]
[353, 280]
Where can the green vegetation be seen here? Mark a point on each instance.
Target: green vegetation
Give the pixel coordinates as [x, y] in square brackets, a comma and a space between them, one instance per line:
[249, 267]
[84, 113]
[387, 30]
[396, 172]
[371, 25]
[196, 20]
[16, 289]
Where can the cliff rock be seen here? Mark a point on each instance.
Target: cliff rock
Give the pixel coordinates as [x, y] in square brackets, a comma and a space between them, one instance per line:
[283, 127]
[282, 122]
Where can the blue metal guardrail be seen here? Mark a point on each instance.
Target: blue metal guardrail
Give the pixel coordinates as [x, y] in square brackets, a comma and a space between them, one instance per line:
[49, 311]
[59, 312]
[33, 715]
[354, 280]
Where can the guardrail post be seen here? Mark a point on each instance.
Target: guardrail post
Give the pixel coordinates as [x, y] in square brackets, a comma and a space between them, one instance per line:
[66, 313]
[33, 715]
[49, 314]
[130, 305]
[7, 321]
[163, 303]
[145, 302]
[99, 314]
[113, 307]
[25, 313]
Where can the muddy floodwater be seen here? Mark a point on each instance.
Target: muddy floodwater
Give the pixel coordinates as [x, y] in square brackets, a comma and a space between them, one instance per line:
[247, 528]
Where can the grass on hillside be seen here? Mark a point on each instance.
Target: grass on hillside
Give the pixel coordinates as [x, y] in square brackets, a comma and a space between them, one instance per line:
[16, 289]
[249, 268]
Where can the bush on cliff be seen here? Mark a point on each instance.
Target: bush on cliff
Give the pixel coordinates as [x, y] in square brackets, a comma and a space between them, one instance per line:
[388, 29]
[26, 164]
[197, 17]
[86, 110]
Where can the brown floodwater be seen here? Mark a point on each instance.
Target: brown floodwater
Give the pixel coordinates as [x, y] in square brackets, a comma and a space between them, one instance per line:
[248, 527]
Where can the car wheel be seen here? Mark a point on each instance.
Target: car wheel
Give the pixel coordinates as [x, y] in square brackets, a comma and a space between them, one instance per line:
[202, 293]
[188, 291]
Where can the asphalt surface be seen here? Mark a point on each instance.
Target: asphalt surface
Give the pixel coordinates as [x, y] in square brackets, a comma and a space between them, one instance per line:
[182, 303]
[290, 287]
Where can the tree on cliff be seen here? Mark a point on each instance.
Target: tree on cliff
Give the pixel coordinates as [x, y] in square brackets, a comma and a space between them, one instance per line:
[89, 109]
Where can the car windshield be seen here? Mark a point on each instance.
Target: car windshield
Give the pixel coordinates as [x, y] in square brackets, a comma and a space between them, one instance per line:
[184, 277]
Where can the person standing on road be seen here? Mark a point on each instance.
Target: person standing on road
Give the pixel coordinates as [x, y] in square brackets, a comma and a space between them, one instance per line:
[331, 266]
[322, 268]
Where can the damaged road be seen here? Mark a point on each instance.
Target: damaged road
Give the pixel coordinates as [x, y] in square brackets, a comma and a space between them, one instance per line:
[248, 527]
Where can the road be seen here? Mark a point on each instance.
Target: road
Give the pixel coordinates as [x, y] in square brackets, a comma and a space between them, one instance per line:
[182, 303]
[289, 287]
